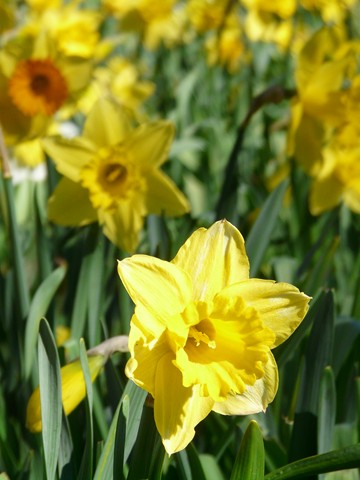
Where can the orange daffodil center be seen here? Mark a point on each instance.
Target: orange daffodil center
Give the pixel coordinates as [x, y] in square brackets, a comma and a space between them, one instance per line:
[37, 87]
[202, 332]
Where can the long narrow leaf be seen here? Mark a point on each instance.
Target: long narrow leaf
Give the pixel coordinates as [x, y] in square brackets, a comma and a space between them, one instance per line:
[87, 460]
[342, 459]
[260, 234]
[50, 396]
[136, 397]
[41, 301]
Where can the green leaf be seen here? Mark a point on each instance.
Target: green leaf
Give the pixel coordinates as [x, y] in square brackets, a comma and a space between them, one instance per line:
[39, 305]
[148, 450]
[135, 396]
[78, 317]
[95, 294]
[22, 293]
[327, 411]
[195, 463]
[260, 234]
[50, 396]
[341, 459]
[318, 356]
[250, 460]
[211, 467]
[66, 464]
[87, 460]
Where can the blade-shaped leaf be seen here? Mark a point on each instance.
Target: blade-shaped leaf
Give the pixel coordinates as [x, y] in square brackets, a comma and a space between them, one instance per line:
[39, 305]
[250, 460]
[50, 396]
[342, 459]
[260, 234]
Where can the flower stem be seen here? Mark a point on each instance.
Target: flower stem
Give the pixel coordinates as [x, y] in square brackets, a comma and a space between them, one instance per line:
[22, 292]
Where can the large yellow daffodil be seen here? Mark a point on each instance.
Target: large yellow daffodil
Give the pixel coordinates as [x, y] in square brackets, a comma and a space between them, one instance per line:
[202, 332]
[112, 175]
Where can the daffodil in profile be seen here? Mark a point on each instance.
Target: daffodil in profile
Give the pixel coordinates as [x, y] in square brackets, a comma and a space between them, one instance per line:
[202, 332]
[112, 175]
[73, 390]
[73, 386]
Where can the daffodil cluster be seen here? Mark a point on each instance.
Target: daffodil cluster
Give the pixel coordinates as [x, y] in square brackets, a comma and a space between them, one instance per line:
[324, 134]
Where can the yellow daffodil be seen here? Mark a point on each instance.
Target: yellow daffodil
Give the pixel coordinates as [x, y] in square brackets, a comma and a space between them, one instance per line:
[339, 179]
[207, 15]
[120, 79]
[325, 63]
[73, 390]
[35, 82]
[74, 31]
[156, 21]
[331, 11]
[324, 132]
[225, 47]
[202, 332]
[112, 175]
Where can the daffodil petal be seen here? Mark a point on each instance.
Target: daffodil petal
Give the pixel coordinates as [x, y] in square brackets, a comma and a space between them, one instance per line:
[256, 398]
[177, 409]
[325, 194]
[281, 306]
[107, 124]
[160, 287]
[308, 143]
[145, 356]
[72, 387]
[163, 196]
[149, 145]
[69, 205]
[69, 156]
[352, 199]
[123, 224]
[214, 259]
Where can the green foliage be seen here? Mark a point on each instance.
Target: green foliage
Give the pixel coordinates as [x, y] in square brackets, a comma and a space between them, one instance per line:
[68, 276]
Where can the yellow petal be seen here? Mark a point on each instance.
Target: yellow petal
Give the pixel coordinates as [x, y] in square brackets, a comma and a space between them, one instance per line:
[145, 356]
[325, 194]
[308, 142]
[160, 287]
[177, 409]
[69, 156]
[256, 398]
[123, 224]
[352, 199]
[162, 196]
[213, 258]
[321, 45]
[281, 306]
[72, 387]
[107, 123]
[150, 143]
[70, 205]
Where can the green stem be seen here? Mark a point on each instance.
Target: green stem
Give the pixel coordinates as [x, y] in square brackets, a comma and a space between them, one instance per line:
[22, 292]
